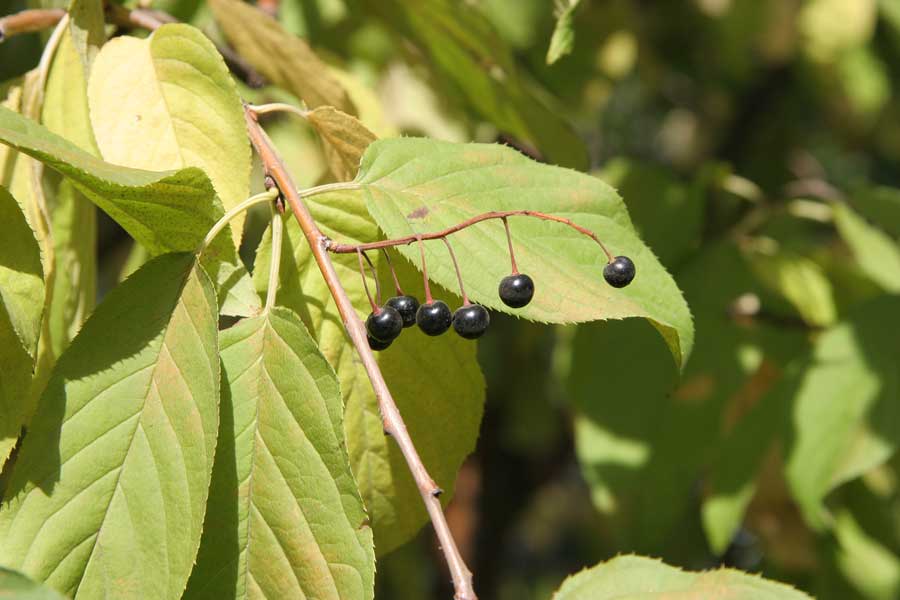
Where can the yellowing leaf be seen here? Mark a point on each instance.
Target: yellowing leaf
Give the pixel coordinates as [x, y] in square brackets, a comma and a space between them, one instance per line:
[21, 307]
[168, 102]
[285, 517]
[283, 58]
[108, 494]
[345, 140]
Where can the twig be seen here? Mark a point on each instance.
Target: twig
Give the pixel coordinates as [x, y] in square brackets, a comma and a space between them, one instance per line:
[264, 109]
[436, 235]
[28, 21]
[390, 415]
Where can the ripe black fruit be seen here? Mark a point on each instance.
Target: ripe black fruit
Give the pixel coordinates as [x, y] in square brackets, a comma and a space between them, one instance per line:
[434, 318]
[377, 344]
[516, 290]
[407, 307]
[620, 272]
[471, 321]
[385, 325]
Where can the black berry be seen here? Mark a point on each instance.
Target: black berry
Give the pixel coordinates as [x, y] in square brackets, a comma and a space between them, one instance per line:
[384, 325]
[434, 318]
[377, 344]
[407, 307]
[516, 290]
[620, 272]
[471, 321]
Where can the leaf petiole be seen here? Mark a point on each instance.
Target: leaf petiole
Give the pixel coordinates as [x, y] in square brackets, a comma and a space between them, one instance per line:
[267, 196]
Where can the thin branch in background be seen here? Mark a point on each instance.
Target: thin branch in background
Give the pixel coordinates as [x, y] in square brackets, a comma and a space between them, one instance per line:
[392, 421]
[29, 21]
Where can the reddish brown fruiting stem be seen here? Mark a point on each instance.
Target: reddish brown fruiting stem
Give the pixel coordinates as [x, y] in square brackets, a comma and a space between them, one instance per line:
[387, 258]
[402, 241]
[362, 273]
[462, 290]
[512, 254]
[428, 298]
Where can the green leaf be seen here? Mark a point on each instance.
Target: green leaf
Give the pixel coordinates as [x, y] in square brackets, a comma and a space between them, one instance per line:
[845, 417]
[880, 204]
[462, 49]
[285, 517]
[22, 296]
[639, 578]
[21, 275]
[800, 281]
[432, 380]
[283, 58]
[345, 139]
[73, 217]
[655, 199]
[873, 569]
[415, 185]
[109, 490]
[15, 586]
[168, 102]
[877, 254]
[563, 39]
[166, 211]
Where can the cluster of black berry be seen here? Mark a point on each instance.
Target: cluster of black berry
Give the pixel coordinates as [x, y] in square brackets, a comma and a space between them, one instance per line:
[470, 321]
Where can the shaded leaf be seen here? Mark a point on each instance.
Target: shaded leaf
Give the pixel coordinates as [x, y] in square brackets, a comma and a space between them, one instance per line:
[345, 140]
[868, 565]
[432, 380]
[800, 281]
[164, 211]
[168, 102]
[877, 254]
[297, 510]
[640, 578]
[845, 416]
[21, 293]
[109, 489]
[15, 586]
[656, 199]
[72, 216]
[415, 185]
[283, 58]
[463, 49]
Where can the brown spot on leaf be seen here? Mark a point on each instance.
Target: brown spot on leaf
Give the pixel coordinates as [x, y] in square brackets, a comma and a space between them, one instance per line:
[419, 213]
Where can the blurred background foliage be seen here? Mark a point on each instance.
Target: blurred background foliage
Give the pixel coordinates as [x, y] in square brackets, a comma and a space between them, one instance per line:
[756, 144]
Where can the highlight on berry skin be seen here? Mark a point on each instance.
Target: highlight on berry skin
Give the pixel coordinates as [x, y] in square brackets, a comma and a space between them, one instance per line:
[434, 317]
[471, 321]
[619, 272]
